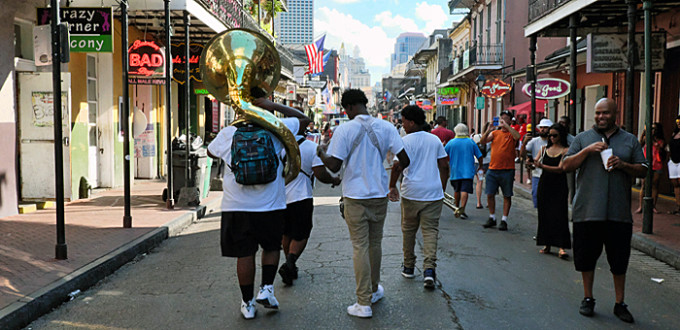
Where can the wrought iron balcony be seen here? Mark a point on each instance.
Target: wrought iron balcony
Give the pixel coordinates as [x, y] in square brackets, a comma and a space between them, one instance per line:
[486, 55]
[539, 8]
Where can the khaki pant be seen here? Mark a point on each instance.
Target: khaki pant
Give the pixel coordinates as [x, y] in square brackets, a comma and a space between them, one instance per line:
[426, 215]
[365, 220]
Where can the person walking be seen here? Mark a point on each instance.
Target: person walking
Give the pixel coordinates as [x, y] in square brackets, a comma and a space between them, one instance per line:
[462, 152]
[553, 194]
[607, 159]
[444, 134]
[658, 156]
[297, 224]
[252, 215]
[362, 144]
[501, 172]
[674, 164]
[422, 193]
[534, 146]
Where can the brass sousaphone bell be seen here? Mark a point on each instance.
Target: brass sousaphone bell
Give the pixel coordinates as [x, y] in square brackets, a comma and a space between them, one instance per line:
[239, 65]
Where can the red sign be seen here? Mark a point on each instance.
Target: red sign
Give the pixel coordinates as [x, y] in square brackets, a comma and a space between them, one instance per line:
[146, 59]
[215, 116]
[495, 88]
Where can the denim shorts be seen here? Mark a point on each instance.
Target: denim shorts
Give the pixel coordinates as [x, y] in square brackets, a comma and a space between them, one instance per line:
[503, 179]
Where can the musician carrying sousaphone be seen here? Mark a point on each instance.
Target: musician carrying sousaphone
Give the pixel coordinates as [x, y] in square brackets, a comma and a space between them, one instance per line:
[240, 68]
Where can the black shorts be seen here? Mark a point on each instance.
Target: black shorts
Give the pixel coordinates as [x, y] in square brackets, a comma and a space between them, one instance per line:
[242, 232]
[462, 185]
[298, 219]
[589, 237]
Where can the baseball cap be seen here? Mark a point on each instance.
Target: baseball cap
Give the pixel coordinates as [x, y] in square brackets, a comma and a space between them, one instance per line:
[507, 113]
[545, 122]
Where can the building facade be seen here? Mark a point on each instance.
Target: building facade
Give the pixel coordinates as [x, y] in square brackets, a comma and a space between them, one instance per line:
[406, 45]
[296, 26]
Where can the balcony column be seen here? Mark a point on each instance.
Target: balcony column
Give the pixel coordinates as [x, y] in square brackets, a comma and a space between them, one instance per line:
[533, 40]
[630, 73]
[648, 215]
[573, 22]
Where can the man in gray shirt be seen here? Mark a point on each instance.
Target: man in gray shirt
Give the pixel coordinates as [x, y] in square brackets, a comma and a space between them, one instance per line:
[601, 206]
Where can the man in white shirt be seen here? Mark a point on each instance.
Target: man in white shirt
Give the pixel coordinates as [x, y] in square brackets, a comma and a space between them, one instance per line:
[534, 147]
[362, 144]
[297, 224]
[252, 215]
[422, 192]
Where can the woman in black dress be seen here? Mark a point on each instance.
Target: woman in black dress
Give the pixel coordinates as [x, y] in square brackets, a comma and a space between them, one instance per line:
[553, 218]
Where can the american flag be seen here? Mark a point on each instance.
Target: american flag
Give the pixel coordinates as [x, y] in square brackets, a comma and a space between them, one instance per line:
[315, 56]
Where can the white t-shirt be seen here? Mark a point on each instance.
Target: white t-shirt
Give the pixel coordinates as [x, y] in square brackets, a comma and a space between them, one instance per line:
[365, 176]
[251, 198]
[301, 187]
[534, 147]
[421, 178]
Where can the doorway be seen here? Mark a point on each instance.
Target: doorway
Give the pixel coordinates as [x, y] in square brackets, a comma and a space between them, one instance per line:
[94, 133]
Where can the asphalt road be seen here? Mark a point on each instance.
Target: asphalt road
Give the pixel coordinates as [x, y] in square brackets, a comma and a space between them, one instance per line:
[487, 280]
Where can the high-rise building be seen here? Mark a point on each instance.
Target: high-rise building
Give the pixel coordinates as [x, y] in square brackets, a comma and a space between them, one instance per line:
[296, 26]
[407, 44]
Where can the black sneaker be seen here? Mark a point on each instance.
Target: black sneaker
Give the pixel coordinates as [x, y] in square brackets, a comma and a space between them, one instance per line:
[621, 311]
[295, 273]
[463, 216]
[429, 276]
[588, 307]
[286, 274]
[408, 272]
[489, 223]
[503, 226]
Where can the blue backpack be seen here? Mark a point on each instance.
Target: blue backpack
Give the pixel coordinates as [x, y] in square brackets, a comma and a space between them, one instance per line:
[253, 157]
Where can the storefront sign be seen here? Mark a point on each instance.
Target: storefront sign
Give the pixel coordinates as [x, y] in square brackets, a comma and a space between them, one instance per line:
[215, 116]
[495, 88]
[316, 83]
[290, 92]
[479, 102]
[146, 81]
[201, 91]
[425, 104]
[90, 29]
[448, 96]
[179, 61]
[548, 88]
[609, 52]
[146, 60]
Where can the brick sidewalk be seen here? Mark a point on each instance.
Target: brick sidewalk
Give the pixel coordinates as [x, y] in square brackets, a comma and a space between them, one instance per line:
[664, 244]
[94, 228]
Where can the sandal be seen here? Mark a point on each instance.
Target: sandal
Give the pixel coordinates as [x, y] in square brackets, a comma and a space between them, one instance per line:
[545, 250]
[479, 206]
[563, 255]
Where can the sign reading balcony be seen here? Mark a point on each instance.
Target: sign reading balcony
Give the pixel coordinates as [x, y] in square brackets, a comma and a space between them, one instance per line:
[548, 88]
[609, 52]
[90, 29]
[495, 88]
[147, 62]
[179, 62]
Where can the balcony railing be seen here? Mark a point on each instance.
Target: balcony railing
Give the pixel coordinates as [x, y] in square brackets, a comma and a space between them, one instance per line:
[486, 55]
[539, 8]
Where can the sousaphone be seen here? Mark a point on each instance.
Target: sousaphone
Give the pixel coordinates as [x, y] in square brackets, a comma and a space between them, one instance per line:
[239, 65]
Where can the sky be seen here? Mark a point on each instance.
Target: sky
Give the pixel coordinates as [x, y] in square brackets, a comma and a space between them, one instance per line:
[373, 26]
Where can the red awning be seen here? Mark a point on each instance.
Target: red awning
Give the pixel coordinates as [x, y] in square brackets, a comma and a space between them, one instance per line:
[525, 108]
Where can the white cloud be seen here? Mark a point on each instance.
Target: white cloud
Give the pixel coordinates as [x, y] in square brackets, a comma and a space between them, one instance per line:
[373, 42]
[346, 1]
[434, 16]
[396, 24]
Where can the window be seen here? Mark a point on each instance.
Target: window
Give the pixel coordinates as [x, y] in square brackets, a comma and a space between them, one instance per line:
[481, 28]
[499, 22]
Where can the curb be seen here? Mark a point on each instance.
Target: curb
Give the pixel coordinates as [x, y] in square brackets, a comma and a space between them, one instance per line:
[641, 242]
[21, 313]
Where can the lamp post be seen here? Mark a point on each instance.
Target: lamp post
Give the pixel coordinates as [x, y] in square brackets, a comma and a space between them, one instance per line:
[479, 81]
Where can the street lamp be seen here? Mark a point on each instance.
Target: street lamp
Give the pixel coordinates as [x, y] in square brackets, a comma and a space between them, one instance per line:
[480, 80]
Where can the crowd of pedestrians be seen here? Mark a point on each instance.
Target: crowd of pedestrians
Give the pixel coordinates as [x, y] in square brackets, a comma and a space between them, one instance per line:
[275, 216]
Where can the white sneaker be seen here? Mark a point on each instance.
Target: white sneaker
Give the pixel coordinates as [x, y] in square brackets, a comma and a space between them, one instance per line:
[378, 294]
[360, 310]
[266, 297]
[248, 309]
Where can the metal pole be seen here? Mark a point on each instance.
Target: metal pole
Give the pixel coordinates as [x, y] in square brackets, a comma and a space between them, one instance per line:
[170, 202]
[187, 93]
[60, 248]
[573, 22]
[648, 217]
[532, 57]
[127, 218]
[630, 73]
[273, 17]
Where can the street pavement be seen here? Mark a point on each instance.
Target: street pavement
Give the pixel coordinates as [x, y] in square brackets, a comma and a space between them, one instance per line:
[487, 279]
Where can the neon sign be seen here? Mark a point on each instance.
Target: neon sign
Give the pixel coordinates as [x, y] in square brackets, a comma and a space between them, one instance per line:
[146, 59]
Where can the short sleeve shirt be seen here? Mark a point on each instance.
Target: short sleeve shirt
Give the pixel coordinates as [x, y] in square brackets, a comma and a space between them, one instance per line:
[365, 176]
[250, 198]
[421, 178]
[444, 134]
[602, 195]
[462, 152]
[301, 187]
[502, 151]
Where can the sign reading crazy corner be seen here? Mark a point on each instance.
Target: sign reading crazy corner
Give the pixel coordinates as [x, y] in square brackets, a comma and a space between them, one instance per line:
[90, 29]
[495, 88]
[147, 61]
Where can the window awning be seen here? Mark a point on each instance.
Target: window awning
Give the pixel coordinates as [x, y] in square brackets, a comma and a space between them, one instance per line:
[525, 108]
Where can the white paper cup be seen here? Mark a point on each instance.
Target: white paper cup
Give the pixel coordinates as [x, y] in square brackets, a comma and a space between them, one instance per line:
[606, 153]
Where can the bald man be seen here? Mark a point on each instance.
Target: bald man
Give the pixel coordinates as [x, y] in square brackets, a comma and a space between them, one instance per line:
[601, 205]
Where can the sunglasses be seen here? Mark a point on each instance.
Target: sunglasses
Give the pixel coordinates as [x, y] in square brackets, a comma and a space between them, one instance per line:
[553, 135]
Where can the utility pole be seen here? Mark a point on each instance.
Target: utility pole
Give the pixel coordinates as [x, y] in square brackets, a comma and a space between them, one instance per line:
[127, 217]
[60, 248]
[170, 202]
[648, 216]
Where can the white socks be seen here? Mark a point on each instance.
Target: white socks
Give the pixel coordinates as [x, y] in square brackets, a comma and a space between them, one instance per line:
[505, 218]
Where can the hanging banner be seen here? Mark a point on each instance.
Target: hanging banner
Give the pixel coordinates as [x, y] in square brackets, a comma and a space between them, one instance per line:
[495, 88]
[179, 59]
[90, 29]
[548, 88]
[146, 60]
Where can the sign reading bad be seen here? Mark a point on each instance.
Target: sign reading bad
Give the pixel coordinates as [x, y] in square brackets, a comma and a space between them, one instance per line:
[91, 29]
